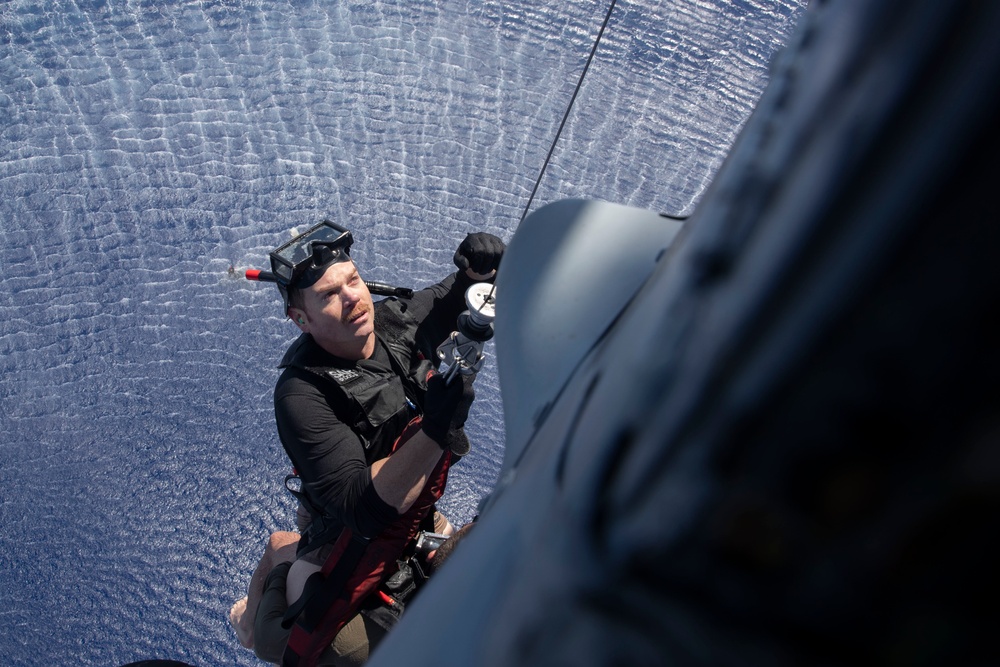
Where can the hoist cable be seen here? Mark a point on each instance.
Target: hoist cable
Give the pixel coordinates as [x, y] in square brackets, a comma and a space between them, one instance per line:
[568, 109]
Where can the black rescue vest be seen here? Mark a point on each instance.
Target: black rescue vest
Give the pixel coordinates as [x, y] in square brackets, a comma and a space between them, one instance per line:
[377, 404]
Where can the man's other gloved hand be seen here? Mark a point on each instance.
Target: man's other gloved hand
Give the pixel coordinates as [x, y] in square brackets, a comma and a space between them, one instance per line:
[480, 252]
[446, 407]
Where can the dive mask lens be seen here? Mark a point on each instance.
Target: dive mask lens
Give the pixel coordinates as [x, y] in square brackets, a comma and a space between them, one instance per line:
[301, 261]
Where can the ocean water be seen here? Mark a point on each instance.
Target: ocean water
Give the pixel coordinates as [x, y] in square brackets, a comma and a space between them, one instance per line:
[147, 147]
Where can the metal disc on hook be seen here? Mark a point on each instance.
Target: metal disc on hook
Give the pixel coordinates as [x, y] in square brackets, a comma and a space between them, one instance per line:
[481, 299]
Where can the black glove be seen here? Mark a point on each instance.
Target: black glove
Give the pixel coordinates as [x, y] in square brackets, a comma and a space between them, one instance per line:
[480, 252]
[446, 407]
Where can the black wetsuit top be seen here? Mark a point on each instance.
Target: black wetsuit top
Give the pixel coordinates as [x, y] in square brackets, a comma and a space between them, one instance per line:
[330, 436]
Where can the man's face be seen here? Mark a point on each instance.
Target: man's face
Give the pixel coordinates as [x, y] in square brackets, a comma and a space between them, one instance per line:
[338, 312]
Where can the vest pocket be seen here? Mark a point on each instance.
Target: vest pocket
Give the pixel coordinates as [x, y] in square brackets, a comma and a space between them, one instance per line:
[381, 399]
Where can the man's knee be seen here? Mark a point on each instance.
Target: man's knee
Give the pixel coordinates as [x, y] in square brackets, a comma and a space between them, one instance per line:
[281, 547]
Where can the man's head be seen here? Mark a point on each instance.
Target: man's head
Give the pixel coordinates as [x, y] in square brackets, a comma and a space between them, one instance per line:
[337, 310]
[322, 291]
[302, 261]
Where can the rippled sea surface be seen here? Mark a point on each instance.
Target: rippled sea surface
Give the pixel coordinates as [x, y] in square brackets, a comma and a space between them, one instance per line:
[147, 147]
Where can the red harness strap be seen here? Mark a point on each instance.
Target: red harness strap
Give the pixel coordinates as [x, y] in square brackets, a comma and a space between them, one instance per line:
[356, 568]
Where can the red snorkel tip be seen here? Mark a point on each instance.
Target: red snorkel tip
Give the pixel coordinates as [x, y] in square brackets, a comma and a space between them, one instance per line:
[262, 276]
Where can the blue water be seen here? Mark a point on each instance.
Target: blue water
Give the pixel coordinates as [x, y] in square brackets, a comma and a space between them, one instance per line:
[145, 147]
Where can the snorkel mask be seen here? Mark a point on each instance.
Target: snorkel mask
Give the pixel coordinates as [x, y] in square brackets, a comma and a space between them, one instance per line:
[303, 260]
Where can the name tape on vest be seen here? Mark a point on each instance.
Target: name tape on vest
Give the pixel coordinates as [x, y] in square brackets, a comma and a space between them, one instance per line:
[343, 375]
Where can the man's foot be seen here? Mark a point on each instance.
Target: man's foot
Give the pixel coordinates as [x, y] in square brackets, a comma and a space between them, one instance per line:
[236, 616]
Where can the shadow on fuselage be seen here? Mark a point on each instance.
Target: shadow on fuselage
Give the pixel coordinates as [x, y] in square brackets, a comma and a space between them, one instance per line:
[782, 449]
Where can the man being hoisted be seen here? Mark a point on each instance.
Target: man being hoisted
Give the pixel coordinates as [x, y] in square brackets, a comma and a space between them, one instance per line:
[370, 429]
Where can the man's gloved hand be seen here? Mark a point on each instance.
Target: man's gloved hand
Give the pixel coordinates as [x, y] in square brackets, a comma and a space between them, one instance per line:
[446, 407]
[480, 252]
